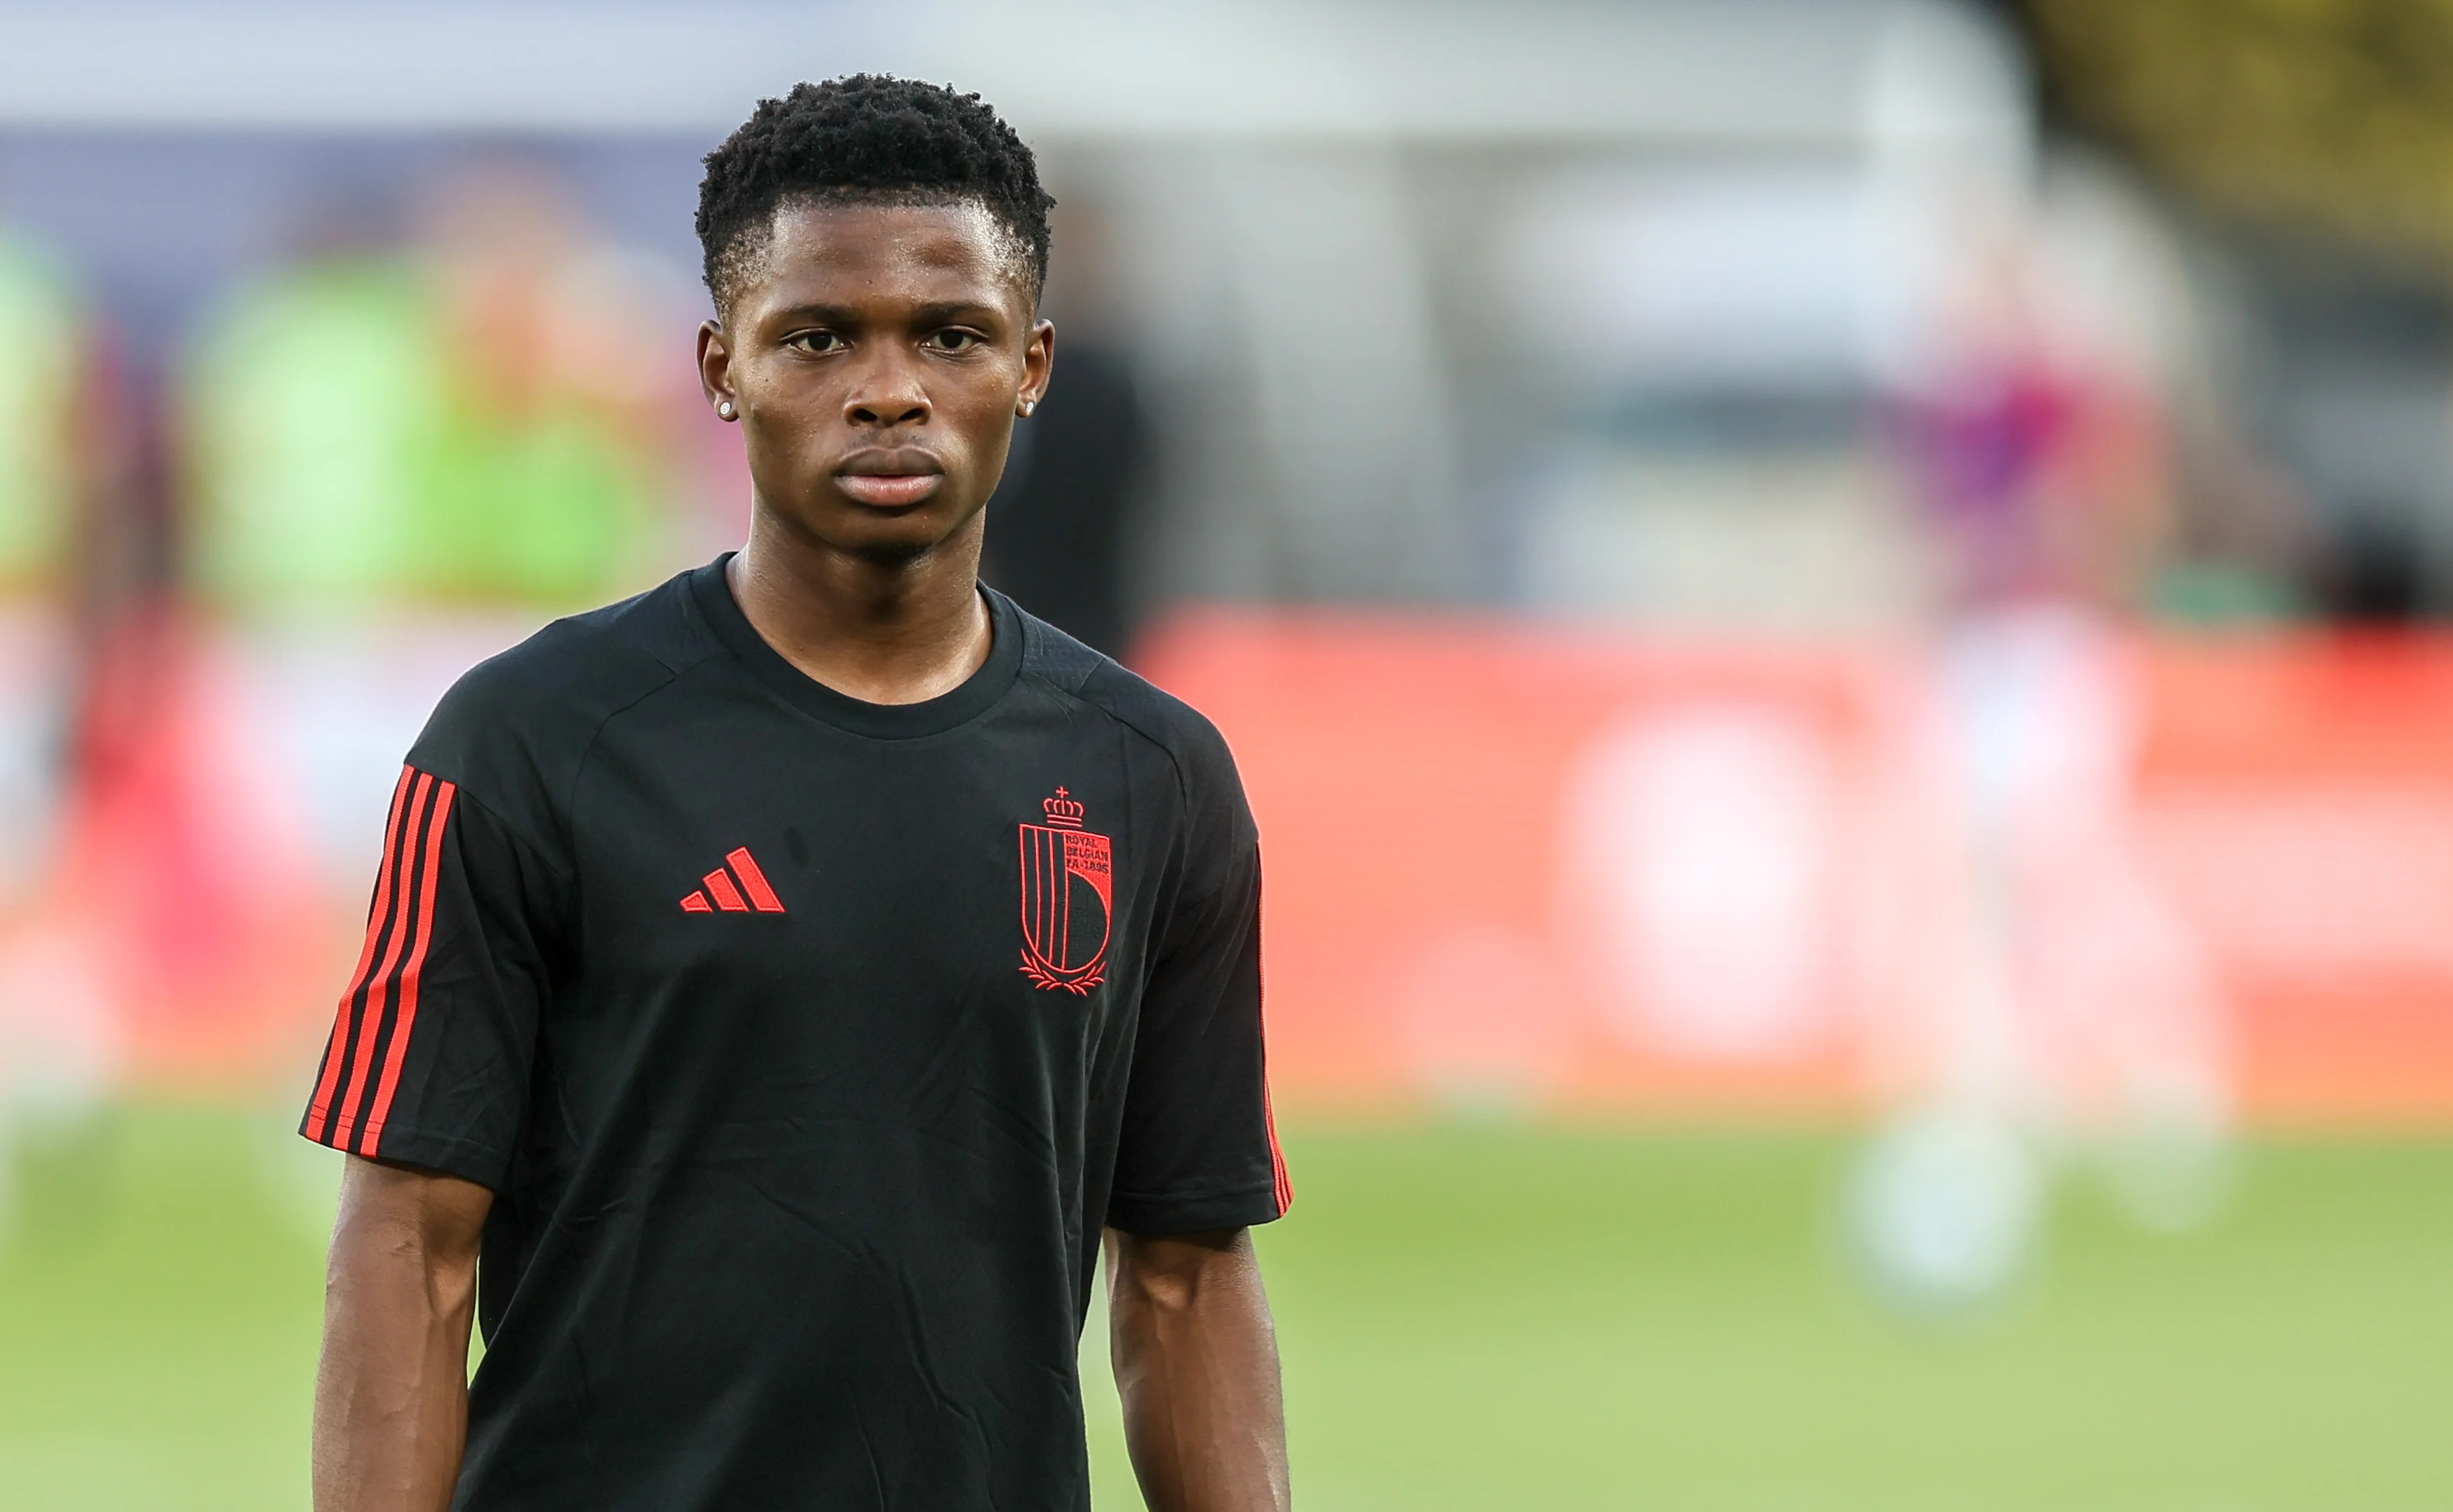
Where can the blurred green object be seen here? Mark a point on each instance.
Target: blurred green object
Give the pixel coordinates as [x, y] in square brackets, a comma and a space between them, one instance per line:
[1474, 1317]
[2214, 593]
[343, 459]
[550, 512]
[312, 403]
[41, 367]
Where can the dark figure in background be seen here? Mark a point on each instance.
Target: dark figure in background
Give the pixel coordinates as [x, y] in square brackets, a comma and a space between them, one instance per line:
[1061, 525]
[1058, 527]
[2375, 571]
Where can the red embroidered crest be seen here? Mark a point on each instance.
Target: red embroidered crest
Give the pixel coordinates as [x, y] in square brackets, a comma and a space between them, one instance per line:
[1067, 891]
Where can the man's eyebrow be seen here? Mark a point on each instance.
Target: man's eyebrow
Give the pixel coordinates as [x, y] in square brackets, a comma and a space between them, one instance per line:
[951, 311]
[823, 314]
[941, 313]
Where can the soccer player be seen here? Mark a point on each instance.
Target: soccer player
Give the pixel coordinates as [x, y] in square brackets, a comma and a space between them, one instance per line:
[778, 983]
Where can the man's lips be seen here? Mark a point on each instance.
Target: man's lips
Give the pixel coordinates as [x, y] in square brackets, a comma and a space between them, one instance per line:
[889, 489]
[890, 479]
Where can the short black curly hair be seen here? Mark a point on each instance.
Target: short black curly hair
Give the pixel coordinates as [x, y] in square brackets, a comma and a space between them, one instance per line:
[866, 136]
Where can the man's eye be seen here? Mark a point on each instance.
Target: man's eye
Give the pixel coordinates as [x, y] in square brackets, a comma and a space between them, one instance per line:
[954, 340]
[815, 341]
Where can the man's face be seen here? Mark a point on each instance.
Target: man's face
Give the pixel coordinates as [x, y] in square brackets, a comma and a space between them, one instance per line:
[876, 357]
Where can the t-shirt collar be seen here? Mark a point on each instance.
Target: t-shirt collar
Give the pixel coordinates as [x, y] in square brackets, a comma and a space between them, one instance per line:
[878, 720]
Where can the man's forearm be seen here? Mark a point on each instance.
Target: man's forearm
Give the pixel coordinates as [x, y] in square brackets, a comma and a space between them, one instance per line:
[1196, 1363]
[391, 1395]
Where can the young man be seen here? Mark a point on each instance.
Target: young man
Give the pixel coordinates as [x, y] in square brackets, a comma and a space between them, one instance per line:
[784, 977]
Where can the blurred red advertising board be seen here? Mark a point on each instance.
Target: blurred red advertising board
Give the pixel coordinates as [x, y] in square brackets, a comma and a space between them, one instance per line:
[1566, 867]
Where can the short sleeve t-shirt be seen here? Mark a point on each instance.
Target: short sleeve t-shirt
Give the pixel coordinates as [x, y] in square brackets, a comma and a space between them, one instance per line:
[808, 1045]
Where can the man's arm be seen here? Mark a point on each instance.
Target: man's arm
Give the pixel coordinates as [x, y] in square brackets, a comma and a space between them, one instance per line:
[1196, 1362]
[400, 1291]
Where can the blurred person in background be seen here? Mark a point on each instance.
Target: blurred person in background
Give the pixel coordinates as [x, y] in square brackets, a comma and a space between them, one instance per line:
[479, 419]
[1066, 514]
[59, 1034]
[399, 460]
[781, 982]
[2055, 1000]
[43, 356]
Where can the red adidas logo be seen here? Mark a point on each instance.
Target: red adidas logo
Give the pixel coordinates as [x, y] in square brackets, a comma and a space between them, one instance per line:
[730, 898]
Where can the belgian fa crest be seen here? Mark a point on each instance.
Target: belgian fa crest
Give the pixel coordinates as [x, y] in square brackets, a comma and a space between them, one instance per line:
[1068, 895]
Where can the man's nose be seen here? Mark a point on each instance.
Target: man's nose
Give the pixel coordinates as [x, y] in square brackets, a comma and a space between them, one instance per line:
[888, 391]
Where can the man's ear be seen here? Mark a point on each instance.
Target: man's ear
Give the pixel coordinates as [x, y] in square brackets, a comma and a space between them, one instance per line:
[1038, 366]
[715, 369]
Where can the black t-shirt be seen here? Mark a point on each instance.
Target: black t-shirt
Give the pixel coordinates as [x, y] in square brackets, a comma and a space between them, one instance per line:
[806, 1045]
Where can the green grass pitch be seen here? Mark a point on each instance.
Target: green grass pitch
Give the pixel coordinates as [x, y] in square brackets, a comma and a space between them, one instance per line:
[1473, 1315]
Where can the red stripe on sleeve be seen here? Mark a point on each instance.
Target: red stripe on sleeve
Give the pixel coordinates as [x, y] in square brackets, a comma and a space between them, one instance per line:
[319, 1112]
[728, 897]
[372, 1140]
[379, 986]
[754, 882]
[1269, 1113]
[1277, 1157]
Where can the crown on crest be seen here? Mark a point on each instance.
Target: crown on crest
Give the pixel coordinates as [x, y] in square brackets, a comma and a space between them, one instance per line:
[1061, 811]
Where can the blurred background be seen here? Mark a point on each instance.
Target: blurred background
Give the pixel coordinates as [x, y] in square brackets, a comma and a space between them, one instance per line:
[1834, 611]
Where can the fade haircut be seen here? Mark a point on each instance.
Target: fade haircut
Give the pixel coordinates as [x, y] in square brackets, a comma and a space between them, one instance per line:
[865, 138]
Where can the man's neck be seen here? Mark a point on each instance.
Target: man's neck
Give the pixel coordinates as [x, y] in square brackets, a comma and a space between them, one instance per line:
[883, 632]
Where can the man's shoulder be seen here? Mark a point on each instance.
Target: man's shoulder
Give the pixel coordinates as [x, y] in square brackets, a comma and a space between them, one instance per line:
[1190, 740]
[516, 725]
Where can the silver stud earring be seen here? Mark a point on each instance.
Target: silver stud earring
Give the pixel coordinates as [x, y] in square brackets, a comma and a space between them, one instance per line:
[724, 410]
[1027, 405]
